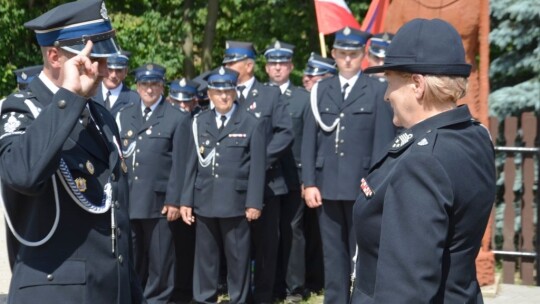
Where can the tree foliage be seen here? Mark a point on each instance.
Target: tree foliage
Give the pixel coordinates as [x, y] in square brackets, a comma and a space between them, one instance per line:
[162, 31]
[515, 53]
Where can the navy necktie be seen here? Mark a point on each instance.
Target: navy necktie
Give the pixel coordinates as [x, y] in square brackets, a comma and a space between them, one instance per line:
[223, 120]
[147, 111]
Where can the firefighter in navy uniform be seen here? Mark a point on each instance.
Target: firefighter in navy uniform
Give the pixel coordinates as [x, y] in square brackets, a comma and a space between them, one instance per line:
[423, 208]
[183, 93]
[155, 137]
[265, 103]
[113, 93]
[291, 270]
[348, 128]
[224, 189]
[25, 75]
[377, 51]
[64, 182]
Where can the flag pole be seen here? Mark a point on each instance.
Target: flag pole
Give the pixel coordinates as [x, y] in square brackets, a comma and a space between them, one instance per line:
[323, 45]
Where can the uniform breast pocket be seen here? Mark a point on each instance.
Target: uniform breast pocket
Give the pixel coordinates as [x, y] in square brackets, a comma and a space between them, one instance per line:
[159, 141]
[328, 114]
[236, 149]
[365, 116]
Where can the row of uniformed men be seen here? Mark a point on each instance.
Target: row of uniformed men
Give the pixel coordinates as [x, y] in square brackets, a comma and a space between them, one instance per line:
[154, 139]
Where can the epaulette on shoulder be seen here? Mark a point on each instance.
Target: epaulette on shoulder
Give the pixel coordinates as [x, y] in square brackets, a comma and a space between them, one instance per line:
[129, 105]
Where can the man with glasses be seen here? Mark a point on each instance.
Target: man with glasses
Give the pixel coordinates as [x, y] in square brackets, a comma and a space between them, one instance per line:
[155, 136]
[348, 127]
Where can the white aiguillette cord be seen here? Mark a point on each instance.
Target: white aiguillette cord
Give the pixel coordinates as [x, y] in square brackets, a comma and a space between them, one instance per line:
[96, 210]
[315, 110]
[210, 158]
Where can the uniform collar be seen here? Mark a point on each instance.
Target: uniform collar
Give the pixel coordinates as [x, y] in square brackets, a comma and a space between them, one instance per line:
[48, 83]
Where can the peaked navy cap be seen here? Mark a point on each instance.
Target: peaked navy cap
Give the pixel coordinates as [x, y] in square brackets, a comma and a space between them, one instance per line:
[426, 47]
[222, 78]
[72, 24]
[118, 62]
[238, 50]
[150, 72]
[318, 65]
[202, 89]
[183, 89]
[279, 52]
[26, 75]
[379, 43]
[350, 39]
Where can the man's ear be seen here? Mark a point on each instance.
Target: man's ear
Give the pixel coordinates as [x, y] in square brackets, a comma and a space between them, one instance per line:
[333, 53]
[53, 57]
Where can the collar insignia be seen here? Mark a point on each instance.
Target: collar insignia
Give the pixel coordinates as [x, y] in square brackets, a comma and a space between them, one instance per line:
[401, 140]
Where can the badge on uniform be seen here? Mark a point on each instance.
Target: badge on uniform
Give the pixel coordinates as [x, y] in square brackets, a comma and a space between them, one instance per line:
[237, 135]
[254, 93]
[365, 188]
[123, 166]
[81, 184]
[288, 92]
[258, 114]
[90, 167]
[253, 106]
[12, 124]
[402, 140]
[201, 149]
[423, 142]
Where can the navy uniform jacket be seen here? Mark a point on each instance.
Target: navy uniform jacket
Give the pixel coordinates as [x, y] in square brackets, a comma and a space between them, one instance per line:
[265, 103]
[76, 265]
[126, 97]
[157, 164]
[296, 101]
[365, 129]
[235, 180]
[420, 230]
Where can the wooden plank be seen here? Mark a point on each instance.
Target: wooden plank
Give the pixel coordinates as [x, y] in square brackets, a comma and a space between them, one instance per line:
[509, 262]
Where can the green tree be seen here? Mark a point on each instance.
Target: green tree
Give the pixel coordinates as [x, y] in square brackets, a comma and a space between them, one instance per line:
[515, 53]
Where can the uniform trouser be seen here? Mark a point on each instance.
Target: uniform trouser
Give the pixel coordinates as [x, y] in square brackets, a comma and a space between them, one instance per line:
[292, 263]
[314, 255]
[233, 236]
[335, 219]
[184, 243]
[265, 238]
[154, 258]
[12, 247]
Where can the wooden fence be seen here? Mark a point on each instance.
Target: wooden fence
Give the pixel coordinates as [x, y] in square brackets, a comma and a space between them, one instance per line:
[516, 238]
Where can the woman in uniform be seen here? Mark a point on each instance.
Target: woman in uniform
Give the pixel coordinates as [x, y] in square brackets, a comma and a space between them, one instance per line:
[425, 204]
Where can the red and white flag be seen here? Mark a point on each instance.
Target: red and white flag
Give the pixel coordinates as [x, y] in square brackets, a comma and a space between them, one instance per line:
[375, 16]
[333, 15]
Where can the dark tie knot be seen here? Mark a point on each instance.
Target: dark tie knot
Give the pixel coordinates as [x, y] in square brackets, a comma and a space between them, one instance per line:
[223, 119]
[147, 111]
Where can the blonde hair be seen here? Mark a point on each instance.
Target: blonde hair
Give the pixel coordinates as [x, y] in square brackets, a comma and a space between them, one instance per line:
[444, 89]
[440, 88]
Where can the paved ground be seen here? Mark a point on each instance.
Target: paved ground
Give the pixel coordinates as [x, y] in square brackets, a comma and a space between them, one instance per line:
[514, 294]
